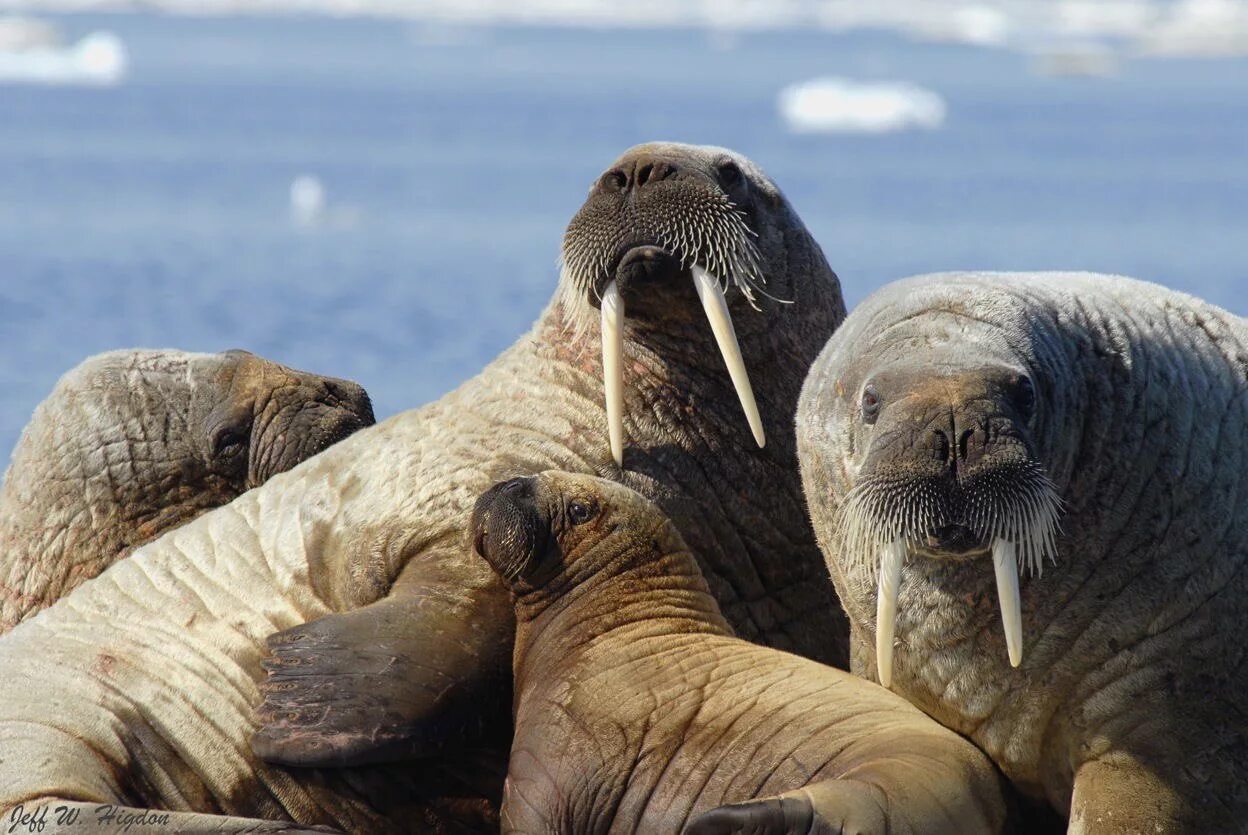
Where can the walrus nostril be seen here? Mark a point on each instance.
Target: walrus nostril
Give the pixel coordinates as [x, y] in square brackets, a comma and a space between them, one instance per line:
[515, 487]
[651, 171]
[613, 181]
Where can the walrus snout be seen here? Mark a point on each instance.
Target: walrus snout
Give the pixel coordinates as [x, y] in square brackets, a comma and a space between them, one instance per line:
[676, 217]
[509, 529]
[638, 170]
[298, 415]
[645, 264]
[955, 540]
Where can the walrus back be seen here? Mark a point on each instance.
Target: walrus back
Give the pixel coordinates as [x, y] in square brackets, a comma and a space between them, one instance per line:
[137, 687]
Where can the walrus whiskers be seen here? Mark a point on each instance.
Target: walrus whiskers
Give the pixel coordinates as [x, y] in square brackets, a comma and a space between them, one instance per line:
[882, 517]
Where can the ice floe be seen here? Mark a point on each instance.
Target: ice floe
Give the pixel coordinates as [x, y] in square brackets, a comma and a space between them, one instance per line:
[310, 207]
[32, 52]
[838, 105]
[1208, 28]
[1155, 27]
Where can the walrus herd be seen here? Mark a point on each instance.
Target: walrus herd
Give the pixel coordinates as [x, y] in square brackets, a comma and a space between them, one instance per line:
[588, 590]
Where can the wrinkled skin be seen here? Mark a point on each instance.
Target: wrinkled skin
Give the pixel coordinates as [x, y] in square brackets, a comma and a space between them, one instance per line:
[638, 711]
[1127, 711]
[357, 558]
[133, 443]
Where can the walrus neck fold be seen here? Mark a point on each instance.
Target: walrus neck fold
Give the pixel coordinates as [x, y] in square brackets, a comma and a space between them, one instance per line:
[628, 599]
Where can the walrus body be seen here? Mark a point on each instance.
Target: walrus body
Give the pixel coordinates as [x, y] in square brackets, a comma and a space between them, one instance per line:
[960, 418]
[411, 652]
[133, 443]
[638, 711]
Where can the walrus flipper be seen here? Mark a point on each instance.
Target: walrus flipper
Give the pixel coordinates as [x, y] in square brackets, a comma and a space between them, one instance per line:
[830, 807]
[397, 679]
[772, 816]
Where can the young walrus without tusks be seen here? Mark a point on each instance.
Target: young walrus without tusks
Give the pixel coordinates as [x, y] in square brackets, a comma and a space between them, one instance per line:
[638, 711]
[947, 429]
[132, 443]
[394, 638]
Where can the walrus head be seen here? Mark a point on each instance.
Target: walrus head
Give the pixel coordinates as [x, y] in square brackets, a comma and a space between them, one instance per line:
[184, 431]
[133, 443]
[670, 232]
[546, 534]
[258, 418]
[925, 430]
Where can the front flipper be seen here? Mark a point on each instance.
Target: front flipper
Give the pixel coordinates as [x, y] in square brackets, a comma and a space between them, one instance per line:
[396, 679]
[831, 807]
[1118, 795]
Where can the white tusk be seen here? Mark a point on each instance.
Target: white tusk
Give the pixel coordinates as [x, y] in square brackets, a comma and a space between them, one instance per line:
[1007, 596]
[892, 556]
[726, 336]
[613, 367]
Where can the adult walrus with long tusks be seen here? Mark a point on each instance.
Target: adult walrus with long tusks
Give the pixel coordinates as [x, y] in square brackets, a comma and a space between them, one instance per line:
[637, 710]
[409, 650]
[132, 443]
[1031, 493]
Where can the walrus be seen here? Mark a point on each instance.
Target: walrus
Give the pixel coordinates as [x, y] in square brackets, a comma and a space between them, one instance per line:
[132, 443]
[638, 710]
[1066, 450]
[394, 639]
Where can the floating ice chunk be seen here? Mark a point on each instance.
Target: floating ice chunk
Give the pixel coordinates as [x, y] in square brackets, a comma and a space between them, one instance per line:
[307, 200]
[976, 24]
[310, 207]
[1217, 28]
[1085, 19]
[837, 105]
[18, 34]
[98, 59]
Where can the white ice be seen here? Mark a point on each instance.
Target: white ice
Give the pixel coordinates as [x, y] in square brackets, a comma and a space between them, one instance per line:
[838, 105]
[98, 59]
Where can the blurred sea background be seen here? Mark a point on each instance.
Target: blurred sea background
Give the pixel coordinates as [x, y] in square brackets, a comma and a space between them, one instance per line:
[377, 190]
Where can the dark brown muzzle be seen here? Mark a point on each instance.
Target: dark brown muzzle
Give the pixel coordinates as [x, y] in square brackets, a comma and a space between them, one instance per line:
[509, 529]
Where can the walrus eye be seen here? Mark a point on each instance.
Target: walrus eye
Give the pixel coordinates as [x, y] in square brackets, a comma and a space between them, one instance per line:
[580, 512]
[228, 442]
[870, 404]
[1025, 397]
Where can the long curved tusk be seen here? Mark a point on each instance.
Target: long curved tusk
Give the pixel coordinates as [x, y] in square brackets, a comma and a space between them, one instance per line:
[726, 337]
[613, 367]
[1006, 566]
[892, 556]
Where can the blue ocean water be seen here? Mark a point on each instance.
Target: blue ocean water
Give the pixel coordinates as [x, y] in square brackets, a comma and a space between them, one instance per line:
[156, 213]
